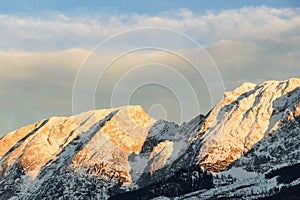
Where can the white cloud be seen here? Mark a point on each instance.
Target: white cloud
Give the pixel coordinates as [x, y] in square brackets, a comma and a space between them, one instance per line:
[21, 64]
[39, 56]
[57, 31]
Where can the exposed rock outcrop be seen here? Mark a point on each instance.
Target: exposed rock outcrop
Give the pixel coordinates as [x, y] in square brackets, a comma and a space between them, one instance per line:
[106, 153]
[244, 117]
[123, 150]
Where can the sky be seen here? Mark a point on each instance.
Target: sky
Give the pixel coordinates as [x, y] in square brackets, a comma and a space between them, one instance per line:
[63, 57]
[131, 6]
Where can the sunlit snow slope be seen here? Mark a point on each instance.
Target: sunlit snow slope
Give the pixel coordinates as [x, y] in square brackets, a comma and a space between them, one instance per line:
[123, 153]
[244, 117]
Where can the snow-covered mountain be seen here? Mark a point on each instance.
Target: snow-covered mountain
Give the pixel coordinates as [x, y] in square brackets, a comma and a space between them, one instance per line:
[244, 117]
[247, 146]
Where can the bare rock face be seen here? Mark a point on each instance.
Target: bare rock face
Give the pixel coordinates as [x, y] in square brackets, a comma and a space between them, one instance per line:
[160, 154]
[106, 155]
[244, 117]
[99, 153]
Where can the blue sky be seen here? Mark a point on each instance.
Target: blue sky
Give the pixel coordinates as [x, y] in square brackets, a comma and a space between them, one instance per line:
[136, 6]
[44, 43]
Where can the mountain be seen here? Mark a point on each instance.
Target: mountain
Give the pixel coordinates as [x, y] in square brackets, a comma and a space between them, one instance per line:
[244, 117]
[247, 146]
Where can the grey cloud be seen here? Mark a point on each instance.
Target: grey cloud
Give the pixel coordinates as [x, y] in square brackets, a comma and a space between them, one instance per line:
[256, 61]
[57, 31]
[38, 68]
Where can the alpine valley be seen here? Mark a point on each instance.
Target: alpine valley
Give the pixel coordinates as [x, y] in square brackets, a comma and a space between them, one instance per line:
[246, 147]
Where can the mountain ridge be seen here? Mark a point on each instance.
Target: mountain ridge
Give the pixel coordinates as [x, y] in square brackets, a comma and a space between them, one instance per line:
[124, 150]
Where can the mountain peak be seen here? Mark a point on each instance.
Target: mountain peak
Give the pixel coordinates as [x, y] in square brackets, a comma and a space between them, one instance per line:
[117, 147]
[245, 116]
[33, 147]
[233, 95]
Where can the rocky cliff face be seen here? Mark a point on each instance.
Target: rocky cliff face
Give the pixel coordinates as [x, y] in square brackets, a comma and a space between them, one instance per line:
[124, 153]
[244, 117]
[105, 151]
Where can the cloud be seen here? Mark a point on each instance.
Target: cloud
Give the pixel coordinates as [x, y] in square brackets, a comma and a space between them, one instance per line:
[22, 65]
[57, 31]
[40, 56]
[241, 61]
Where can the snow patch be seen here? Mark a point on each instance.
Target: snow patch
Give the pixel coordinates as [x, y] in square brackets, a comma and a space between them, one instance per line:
[240, 173]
